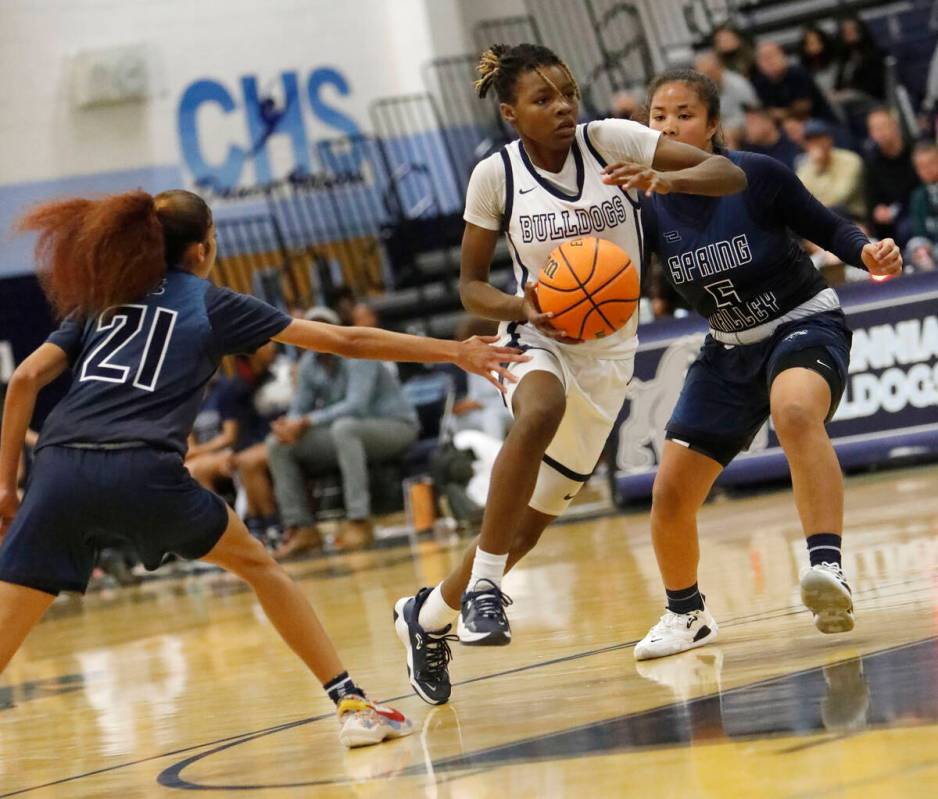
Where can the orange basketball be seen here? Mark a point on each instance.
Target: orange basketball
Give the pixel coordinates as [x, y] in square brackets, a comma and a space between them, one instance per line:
[591, 286]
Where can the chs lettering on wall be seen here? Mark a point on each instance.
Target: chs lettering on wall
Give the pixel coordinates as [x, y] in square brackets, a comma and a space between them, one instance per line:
[254, 119]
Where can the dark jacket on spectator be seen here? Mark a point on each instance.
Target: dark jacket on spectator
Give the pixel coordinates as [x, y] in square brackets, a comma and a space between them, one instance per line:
[796, 84]
[863, 69]
[784, 150]
[924, 211]
[889, 181]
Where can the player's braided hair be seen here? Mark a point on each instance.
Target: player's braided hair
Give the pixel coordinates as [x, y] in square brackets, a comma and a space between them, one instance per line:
[501, 65]
[706, 91]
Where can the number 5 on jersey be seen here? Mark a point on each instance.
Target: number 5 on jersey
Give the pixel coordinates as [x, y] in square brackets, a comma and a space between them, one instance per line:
[723, 292]
[125, 323]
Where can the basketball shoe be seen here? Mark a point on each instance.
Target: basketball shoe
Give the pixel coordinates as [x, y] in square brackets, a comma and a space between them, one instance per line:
[428, 653]
[677, 632]
[825, 592]
[365, 724]
[482, 619]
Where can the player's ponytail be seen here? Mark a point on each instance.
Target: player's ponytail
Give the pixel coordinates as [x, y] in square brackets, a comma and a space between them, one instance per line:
[94, 254]
[490, 63]
[500, 67]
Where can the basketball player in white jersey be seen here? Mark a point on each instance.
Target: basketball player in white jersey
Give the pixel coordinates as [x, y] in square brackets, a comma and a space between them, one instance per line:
[545, 188]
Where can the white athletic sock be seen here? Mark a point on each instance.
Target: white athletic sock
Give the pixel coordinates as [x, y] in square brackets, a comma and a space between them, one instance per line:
[486, 566]
[435, 613]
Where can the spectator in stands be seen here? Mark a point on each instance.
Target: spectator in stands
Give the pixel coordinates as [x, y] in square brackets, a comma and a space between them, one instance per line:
[930, 101]
[345, 414]
[733, 49]
[816, 52]
[342, 301]
[208, 457]
[625, 104]
[923, 208]
[763, 135]
[834, 176]
[239, 402]
[736, 92]
[861, 68]
[890, 176]
[787, 88]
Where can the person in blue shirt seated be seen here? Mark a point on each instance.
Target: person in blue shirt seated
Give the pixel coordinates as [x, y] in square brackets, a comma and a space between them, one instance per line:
[345, 415]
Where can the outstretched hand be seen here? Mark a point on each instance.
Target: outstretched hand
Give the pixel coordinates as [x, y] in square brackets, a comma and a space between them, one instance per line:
[635, 176]
[479, 356]
[883, 259]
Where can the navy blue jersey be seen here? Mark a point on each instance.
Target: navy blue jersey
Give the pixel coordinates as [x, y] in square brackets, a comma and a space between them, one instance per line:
[737, 260]
[139, 371]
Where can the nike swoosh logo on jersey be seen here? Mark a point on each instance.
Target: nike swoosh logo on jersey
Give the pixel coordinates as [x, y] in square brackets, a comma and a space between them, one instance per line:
[826, 366]
[525, 191]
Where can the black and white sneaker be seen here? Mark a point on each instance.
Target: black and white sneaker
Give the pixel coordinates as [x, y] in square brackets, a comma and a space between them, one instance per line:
[677, 632]
[482, 620]
[825, 592]
[428, 653]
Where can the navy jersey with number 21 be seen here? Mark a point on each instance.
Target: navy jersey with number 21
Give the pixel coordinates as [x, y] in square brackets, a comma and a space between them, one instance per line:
[139, 370]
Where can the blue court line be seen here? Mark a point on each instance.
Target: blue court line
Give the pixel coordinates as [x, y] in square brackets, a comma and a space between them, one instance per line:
[792, 610]
[541, 748]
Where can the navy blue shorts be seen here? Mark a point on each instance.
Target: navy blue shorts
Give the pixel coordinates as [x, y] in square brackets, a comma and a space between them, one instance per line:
[725, 399]
[76, 499]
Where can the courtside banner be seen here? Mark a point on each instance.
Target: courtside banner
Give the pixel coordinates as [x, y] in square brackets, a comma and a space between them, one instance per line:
[889, 410]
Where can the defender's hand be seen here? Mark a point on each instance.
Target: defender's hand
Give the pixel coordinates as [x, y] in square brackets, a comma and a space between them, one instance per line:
[635, 176]
[883, 259]
[479, 356]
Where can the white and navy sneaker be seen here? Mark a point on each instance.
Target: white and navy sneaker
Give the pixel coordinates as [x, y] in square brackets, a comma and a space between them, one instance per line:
[428, 653]
[677, 632]
[482, 619]
[825, 592]
[366, 724]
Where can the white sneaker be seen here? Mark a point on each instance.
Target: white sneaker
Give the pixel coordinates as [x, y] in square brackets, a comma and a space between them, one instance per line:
[677, 632]
[825, 592]
[365, 724]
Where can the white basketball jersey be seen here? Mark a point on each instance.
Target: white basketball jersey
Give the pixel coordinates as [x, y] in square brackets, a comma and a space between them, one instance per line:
[539, 217]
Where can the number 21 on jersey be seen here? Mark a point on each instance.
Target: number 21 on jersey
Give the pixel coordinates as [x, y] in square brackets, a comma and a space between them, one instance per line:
[125, 323]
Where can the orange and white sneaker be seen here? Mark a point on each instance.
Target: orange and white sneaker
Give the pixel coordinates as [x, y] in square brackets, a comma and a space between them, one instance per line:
[365, 724]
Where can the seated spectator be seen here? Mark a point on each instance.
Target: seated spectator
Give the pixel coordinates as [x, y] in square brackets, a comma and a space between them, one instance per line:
[786, 88]
[816, 52]
[923, 207]
[736, 93]
[890, 176]
[861, 68]
[208, 457]
[832, 175]
[346, 413]
[763, 135]
[239, 403]
[733, 49]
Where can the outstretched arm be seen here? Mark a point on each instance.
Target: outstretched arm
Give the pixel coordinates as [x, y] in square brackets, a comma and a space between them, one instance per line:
[476, 355]
[780, 190]
[39, 369]
[678, 167]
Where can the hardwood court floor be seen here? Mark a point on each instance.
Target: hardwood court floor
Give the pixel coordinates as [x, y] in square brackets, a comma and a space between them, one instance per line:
[181, 684]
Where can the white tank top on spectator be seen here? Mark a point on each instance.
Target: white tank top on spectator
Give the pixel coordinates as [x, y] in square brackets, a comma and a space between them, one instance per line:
[539, 210]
